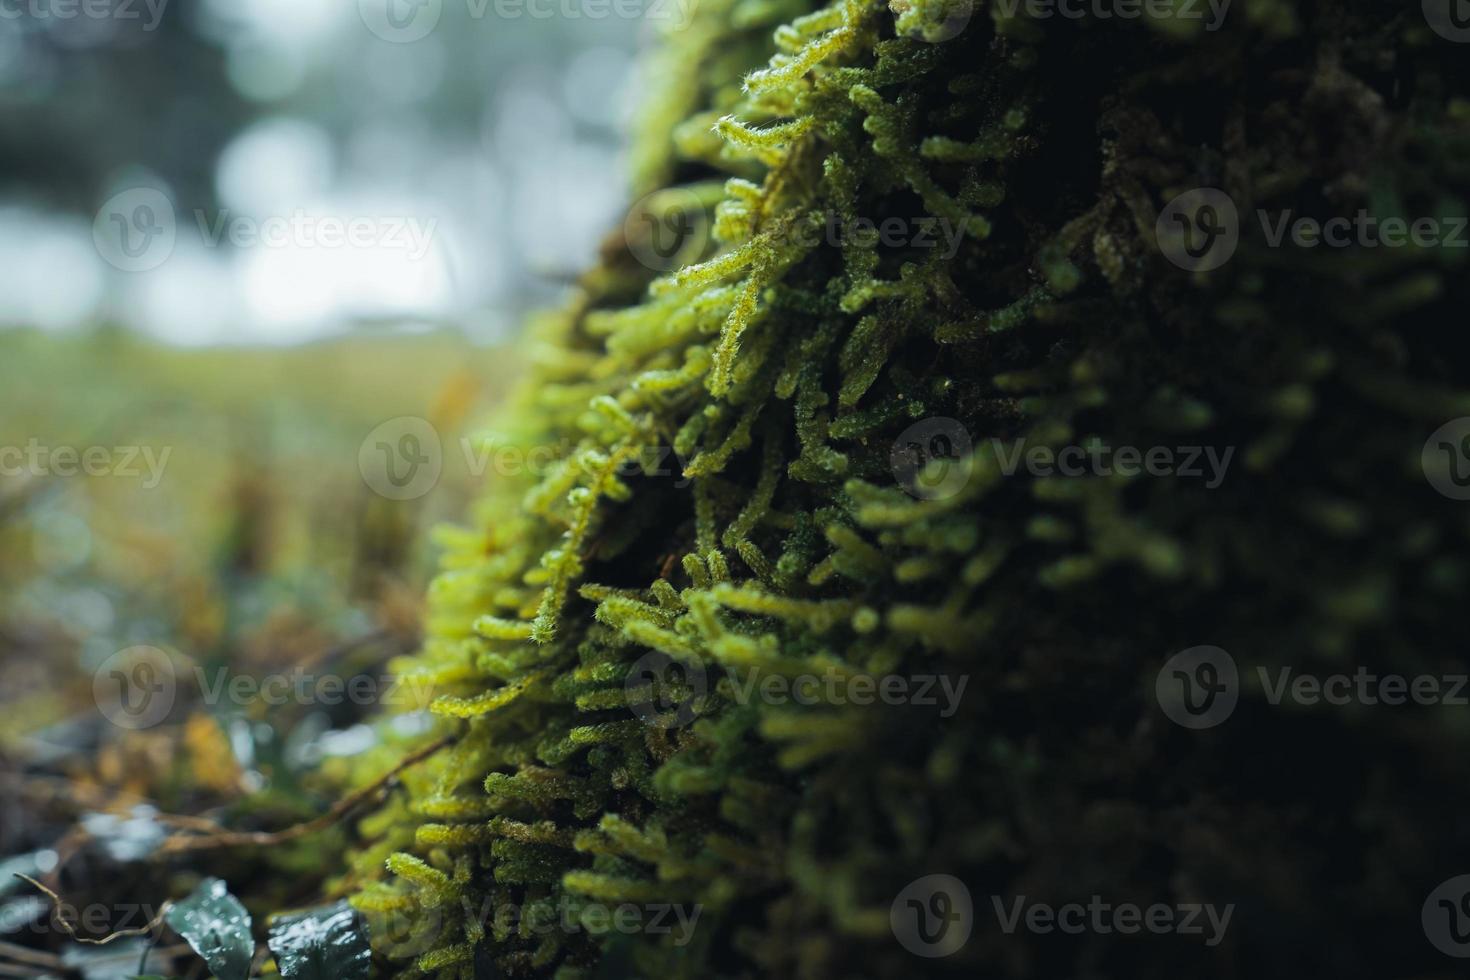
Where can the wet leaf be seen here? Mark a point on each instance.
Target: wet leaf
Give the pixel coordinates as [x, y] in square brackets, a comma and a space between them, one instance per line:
[215, 923]
[323, 944]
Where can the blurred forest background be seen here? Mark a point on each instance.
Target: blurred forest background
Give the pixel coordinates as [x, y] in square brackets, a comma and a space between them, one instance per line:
[260, 369]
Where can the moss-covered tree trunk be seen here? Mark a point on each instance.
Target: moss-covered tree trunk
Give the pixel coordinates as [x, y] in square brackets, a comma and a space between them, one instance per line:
[979, 349]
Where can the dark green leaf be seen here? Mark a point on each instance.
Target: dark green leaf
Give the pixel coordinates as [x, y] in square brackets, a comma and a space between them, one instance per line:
[323, 944]
[215, 923]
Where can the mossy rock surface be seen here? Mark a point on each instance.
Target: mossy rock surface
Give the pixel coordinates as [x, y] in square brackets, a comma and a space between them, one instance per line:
[734, 416]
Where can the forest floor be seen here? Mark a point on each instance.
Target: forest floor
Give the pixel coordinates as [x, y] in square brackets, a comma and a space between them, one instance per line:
[212, 505]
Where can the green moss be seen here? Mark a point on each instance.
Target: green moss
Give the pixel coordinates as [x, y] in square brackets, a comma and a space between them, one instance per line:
[731, 505]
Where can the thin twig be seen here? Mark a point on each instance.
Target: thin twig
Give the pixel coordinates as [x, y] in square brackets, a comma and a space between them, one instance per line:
[181, 843]
[67, 928]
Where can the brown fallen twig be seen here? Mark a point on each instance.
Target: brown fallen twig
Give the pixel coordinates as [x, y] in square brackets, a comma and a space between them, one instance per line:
[67, 927]
[182, 843]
